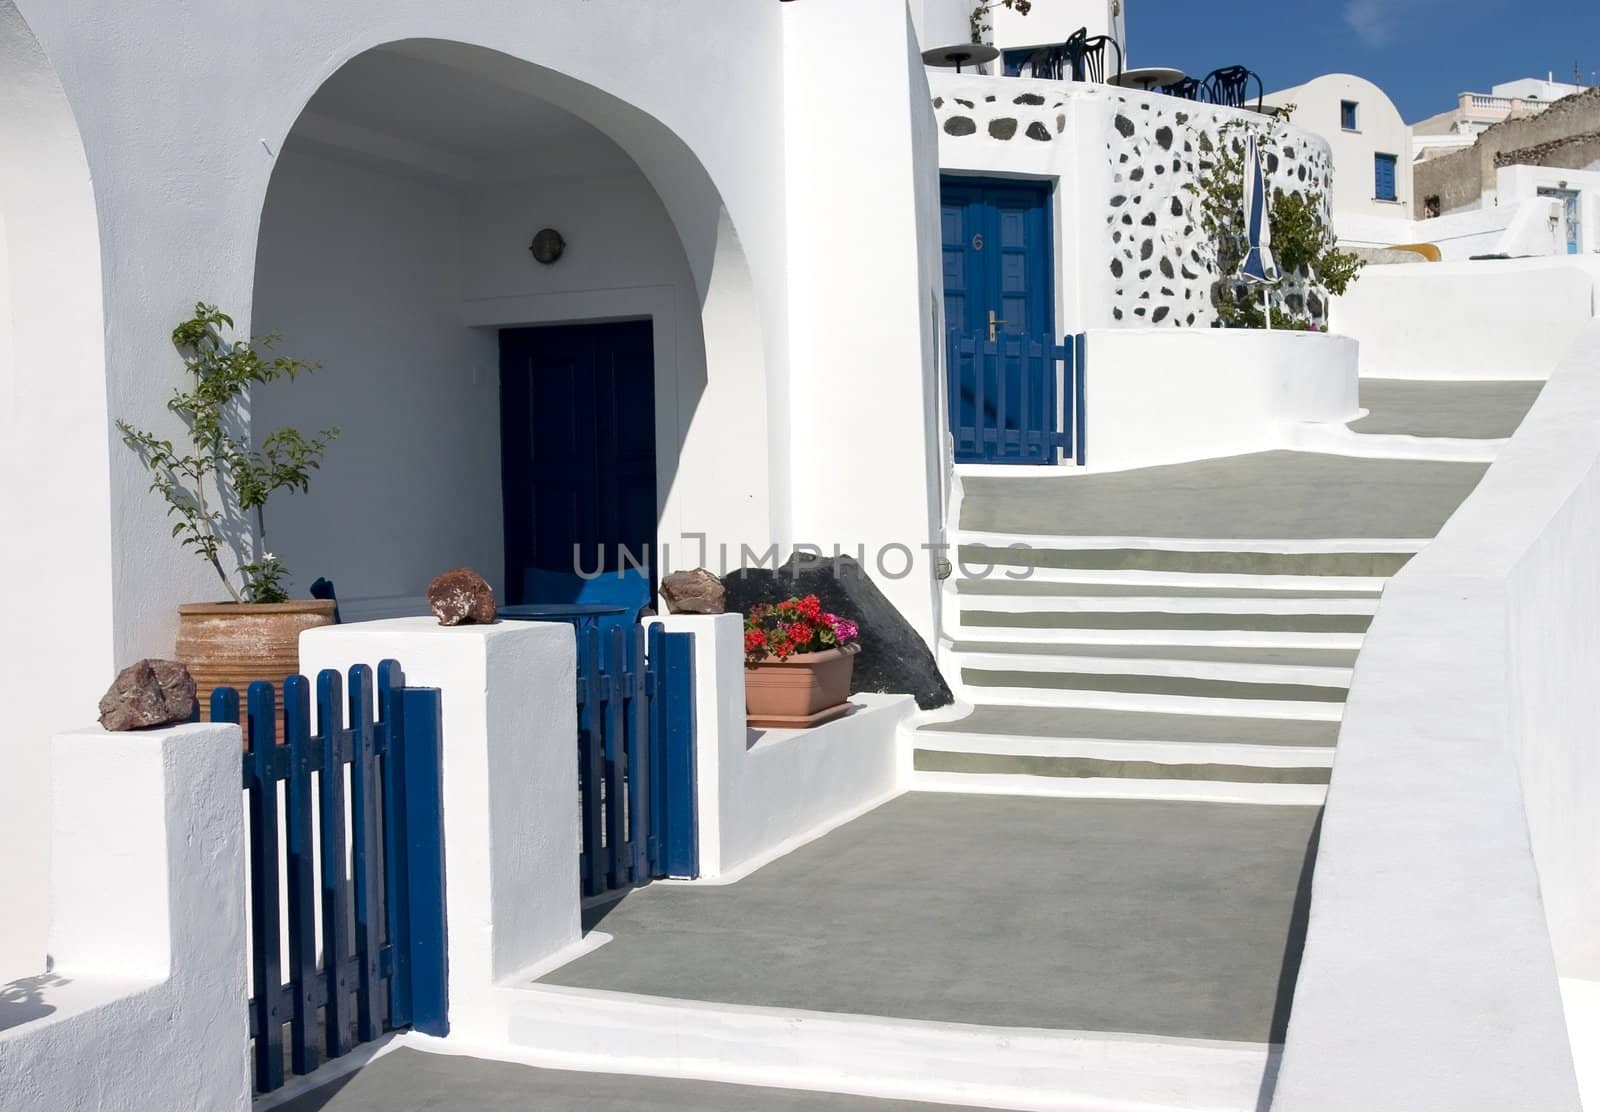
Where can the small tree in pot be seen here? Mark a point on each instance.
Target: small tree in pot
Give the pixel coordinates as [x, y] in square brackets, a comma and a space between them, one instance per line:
[216, 487]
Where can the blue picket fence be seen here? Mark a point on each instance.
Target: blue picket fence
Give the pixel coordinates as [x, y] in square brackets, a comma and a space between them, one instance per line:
[375, 886]
[1017, 399]
[636, 739]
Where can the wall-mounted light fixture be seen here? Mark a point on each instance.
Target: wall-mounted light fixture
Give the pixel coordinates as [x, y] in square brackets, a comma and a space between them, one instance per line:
[547, 246]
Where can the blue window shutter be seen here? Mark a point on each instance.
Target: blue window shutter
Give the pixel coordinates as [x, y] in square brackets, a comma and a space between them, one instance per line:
[1347, 115]
[1383, 173]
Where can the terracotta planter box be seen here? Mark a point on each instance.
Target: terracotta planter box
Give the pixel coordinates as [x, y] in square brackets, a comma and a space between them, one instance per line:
[808, 689]
[233, 644]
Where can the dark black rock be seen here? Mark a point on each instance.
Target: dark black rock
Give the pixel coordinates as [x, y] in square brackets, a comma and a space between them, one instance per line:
[938, 102]
[1116, 268]
[1166, 268]
[1116, 314]
[1136, 174]
[1205, 143]
[1159, 315]
[1146, 249]
[1149, 220]
[1003, 128]
[1037, 130]
[1177, 207]
[1029, 98]
[960, 125]
[1119, 200]
[964, 103]
[1164, 137]
[893, 658]
[1125, 126]
[1182, 117]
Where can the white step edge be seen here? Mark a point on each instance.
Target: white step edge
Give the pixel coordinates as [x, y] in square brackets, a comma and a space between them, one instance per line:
[1115, 749]
[1158, 604]
[1058, 542]
[1161, 704]
[1155, 665]
[1338, 440]
[1213, 638]
[1105, 787]
[947, 1063]
[1132, 577]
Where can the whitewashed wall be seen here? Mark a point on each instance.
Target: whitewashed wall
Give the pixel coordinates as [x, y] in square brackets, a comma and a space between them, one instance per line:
[1162, 395]
[1458, 864]
[361, 271]
[54, 432]
[1488, 319]
[1129, 248]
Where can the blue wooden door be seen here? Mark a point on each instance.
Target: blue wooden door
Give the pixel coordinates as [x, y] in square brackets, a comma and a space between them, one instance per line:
[578, 449]
[998, 268]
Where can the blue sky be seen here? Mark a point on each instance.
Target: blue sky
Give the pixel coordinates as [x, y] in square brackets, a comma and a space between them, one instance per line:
[1422, 52]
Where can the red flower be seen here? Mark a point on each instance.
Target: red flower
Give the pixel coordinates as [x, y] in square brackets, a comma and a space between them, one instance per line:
[810, 608]
[780, 647]
[755, 639]
[800, 633]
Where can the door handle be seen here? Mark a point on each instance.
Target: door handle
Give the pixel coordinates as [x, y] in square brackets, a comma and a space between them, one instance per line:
[992, 323]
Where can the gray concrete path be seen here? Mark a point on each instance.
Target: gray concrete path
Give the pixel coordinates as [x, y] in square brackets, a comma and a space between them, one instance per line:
[1180, 919]
[1471, 410]
[1279, 495]
[1130, 725]
[409, 1081]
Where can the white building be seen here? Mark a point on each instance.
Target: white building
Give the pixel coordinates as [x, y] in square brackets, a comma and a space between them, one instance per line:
[1371, 153]
[802, 305]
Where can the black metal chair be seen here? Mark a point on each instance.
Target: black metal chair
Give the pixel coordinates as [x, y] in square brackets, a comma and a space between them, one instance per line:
[1086, 57]
[1187, 89]
[1230, 86]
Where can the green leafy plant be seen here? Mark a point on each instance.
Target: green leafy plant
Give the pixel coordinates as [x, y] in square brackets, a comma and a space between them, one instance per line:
[1303, 244]
[980, 14]
[217, 485]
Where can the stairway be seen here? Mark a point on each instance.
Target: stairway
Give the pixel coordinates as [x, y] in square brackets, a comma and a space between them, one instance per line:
[1190, 631]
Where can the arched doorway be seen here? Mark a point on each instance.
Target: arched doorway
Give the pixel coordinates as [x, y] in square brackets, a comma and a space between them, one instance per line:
[394, 249]
[56, 659]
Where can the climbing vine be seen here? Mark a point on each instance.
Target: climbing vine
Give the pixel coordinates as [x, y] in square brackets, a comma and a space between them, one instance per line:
[1303, 243]
[980, 14]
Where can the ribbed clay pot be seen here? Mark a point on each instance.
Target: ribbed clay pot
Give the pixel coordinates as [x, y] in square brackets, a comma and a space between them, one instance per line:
[806, 690]
[233, 644]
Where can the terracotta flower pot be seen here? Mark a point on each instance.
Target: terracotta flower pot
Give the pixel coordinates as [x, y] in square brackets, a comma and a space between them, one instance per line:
[233, 644]
[808, 689]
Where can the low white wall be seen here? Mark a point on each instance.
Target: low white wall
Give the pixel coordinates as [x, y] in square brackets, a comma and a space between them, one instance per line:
[510, 790]
[144, 1006]
[762, 792]
[1459, 867]
[1168, 395]
[1509, 318]
[1514, 228]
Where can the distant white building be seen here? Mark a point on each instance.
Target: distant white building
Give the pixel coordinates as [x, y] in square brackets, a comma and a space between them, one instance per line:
[1049, 22]
[1371, 152]
[1474, 113]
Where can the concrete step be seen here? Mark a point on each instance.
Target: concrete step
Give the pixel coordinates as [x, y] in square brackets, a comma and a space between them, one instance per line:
[1236, 558]
[1256, 588]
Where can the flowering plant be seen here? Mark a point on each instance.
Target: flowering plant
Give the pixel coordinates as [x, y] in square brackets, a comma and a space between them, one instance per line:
[796, 625]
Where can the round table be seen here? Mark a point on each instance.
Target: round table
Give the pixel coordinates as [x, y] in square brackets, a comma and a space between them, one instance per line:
[1148, 78]
[971, 53]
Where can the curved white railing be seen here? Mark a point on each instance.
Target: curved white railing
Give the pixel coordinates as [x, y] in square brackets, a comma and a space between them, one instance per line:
[1459, 868]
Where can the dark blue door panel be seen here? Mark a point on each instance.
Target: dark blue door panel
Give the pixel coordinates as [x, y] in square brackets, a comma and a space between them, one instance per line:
[998, 266]
[577, 443]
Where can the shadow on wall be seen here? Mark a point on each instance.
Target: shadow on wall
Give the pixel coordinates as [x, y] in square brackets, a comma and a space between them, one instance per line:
[394, 244]
[26, 999]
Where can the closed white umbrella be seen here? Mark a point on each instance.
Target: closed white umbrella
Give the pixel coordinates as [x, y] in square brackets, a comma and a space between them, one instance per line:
[1258, 267]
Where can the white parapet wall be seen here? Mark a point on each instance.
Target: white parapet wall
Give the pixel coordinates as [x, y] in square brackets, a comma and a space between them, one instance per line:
[508, 696]
[143, 1006]
[761, 793]
[1487, 319]
[1459, 868]
[1170, 395]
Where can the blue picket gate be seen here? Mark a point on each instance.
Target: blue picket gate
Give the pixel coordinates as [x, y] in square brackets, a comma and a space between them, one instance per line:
[1016, 399]
[636, 738]
[376, 887]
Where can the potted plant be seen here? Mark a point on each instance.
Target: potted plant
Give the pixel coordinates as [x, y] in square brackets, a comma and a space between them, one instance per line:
[216, 487]
[798, 661]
